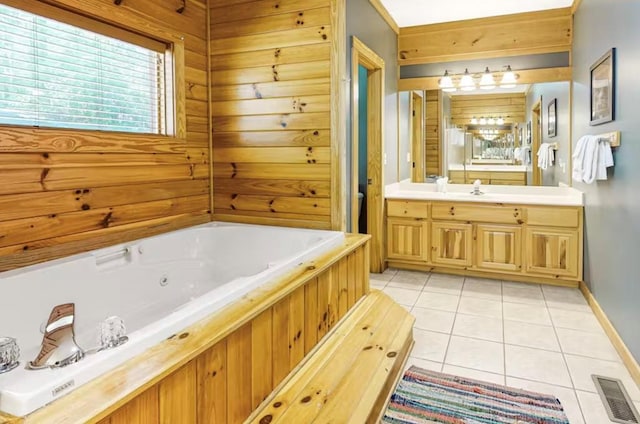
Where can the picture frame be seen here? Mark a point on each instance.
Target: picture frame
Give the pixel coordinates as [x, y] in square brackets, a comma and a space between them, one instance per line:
[602, 89]
[552, 117]
[529, 132]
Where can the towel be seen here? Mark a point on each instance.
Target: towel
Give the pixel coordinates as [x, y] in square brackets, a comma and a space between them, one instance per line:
[591, 159]
[545, 156]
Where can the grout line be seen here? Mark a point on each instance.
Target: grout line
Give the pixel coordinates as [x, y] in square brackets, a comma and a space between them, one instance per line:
[446, 351]
[504, 338]
[564, 360]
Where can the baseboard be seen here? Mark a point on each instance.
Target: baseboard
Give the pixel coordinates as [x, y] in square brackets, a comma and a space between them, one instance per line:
[627, 358]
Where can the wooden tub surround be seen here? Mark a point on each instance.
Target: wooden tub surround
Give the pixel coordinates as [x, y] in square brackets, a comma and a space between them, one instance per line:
[220, 369]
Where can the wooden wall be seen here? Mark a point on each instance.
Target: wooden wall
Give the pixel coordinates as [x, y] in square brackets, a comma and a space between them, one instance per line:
[510, 106]
[63, 192]
[433, 132]
[271, 108]
[547, 31]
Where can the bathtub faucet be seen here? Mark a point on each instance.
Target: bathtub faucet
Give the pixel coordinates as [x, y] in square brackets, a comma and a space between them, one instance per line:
[59, 347]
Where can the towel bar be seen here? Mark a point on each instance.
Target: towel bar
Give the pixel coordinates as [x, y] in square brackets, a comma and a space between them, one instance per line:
[612, 137]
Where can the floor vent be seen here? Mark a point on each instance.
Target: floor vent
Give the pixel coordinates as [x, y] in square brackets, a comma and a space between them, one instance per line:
[616, 400]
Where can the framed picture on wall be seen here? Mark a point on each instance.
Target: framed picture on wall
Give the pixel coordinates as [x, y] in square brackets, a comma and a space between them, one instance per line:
[602, 94]
[551, 118]
[529, 132]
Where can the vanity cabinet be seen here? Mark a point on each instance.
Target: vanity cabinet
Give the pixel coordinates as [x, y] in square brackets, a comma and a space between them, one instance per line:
[520, 242]
[408, 230]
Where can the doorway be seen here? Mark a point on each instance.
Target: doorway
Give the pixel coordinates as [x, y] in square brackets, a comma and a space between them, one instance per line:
[536, 139]
[367, 73]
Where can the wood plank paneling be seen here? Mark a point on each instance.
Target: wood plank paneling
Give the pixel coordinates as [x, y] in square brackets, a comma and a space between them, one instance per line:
[547, 31]
[212, 384]
[239, 354]
[271, 111]
[433, 132]
[60, 187]
[261, 357]
[144, 409]
[509, 106]
[177, 396]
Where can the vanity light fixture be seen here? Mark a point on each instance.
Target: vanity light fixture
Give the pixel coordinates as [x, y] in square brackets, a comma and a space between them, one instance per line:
[500, 121]
[491, 121]
[467, 83]
[508, 79]
[474, 121]
[483, 121]
[487, 82]
[446, 83]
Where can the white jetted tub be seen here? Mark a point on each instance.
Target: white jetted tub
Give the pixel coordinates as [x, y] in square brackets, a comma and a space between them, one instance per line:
[158, 285]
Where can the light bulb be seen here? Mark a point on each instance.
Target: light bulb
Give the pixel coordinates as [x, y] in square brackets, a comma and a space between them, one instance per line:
[474, 120]
[487, 82]
[467, 83]
[508, 79]
[483, 121]
[446, 83]
[491, 121]
[500, 121]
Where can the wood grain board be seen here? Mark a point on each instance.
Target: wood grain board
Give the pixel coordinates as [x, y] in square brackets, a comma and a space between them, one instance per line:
[272, 108]
[509, 106]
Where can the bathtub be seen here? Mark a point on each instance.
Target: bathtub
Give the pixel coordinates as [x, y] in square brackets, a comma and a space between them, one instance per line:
[158, 285]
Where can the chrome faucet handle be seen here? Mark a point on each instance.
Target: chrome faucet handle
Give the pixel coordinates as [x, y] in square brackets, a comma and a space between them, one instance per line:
[59, 347]
[9, 354]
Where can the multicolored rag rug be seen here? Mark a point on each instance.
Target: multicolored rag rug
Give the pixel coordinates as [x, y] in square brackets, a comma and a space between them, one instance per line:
[431, 397]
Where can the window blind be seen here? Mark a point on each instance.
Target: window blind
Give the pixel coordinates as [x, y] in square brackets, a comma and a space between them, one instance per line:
[56, 75]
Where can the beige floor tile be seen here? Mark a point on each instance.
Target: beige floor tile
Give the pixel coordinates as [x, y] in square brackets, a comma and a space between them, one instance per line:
[575, 320]
[582, 369]
[377, 284]
[481, 307]
[536, 364]
[384, 276]
[532, 314]
[530, 335]
[592, 408]
[565, 298]
[478, 327]
[424, 364]
[442, 302]
[413, 280]
[404, 297]
[566, 396]
[476, 354]
[483, 289]
[474, 374]
[593, 345]
[433, 319]
[429, 345]
[446, 284]
[529, 294]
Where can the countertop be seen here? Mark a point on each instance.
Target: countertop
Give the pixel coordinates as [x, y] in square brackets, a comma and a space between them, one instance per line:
[491, 168]
[522, 195]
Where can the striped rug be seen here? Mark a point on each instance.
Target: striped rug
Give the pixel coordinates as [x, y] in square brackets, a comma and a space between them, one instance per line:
[431, 397]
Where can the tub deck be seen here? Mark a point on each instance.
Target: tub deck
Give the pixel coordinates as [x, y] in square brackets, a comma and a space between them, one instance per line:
[176, 360]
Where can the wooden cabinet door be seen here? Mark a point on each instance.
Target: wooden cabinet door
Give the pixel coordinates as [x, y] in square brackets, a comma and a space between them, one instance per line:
[451, 244]
[552, 251]
[407, 239]
[498, 247]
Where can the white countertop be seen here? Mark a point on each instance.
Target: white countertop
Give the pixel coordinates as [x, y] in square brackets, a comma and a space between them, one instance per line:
[527, 195]
[491, 168]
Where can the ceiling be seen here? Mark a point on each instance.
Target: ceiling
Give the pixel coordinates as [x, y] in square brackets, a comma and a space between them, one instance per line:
[422, 12]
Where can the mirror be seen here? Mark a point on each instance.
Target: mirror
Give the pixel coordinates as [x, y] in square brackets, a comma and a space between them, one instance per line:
[494, 136]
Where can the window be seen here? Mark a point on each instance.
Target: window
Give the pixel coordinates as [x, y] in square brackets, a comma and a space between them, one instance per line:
[53, 74]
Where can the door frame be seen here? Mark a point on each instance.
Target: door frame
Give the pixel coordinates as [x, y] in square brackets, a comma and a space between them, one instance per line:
[416, 106]
[363, 55]
[536, 140]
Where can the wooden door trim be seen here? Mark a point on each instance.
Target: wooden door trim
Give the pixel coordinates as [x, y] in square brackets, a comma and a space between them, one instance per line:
[363, 55]
[339, 99]
[536, 117]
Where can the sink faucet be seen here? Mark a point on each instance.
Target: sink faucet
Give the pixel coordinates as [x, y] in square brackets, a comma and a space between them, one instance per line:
[476, 188]
[59, 347]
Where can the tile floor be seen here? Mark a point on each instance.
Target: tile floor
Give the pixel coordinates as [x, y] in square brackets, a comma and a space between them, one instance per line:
[540, 338]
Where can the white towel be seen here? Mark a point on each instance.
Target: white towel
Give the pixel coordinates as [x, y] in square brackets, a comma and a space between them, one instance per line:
[545, 156]
[591, 159]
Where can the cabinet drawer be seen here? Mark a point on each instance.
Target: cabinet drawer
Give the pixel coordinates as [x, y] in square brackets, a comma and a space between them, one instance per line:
[473, 213]
[507, 176]
[553, 217]
[481, 175]
[404, 208]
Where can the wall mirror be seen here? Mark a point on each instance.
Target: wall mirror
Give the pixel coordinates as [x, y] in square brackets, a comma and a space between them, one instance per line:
[490, 135]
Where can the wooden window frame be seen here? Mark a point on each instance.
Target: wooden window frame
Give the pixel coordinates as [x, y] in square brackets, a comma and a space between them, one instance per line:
[123, 26]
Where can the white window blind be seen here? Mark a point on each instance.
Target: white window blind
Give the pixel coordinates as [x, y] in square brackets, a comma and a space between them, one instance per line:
[56, 75]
